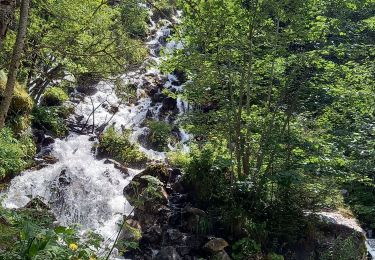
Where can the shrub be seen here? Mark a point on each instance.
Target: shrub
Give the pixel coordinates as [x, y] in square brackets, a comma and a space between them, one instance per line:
[206, 172]
[117, 146]
[19, 123]
[21, 103]
[28, 234]
[51, 119]
[54, 96]
[245, 249]
[160, 134]
[178, 158]
[15, 154]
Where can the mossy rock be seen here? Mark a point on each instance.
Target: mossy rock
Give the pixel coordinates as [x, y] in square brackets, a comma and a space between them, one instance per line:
[158, 170]
[21, 103]
[54, 96]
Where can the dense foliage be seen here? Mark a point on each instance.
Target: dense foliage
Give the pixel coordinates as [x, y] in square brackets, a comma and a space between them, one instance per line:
[15, 153]
[77, 37]
[28, 234]
[282, 114]
[284, 90]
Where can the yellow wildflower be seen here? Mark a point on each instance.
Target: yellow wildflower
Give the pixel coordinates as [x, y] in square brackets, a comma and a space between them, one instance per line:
[92, 258]
[73, 246]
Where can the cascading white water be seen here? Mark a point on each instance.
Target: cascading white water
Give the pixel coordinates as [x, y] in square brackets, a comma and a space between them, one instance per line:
[79, 188]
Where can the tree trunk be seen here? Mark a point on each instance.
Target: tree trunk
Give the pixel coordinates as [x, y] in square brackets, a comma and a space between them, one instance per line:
[6, 15]
[15, 62]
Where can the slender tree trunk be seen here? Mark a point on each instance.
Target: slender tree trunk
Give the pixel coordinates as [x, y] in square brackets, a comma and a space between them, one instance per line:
[15, 62]
[6, 15]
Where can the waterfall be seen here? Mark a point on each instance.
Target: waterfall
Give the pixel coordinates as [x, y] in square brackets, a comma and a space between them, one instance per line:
[80, 188]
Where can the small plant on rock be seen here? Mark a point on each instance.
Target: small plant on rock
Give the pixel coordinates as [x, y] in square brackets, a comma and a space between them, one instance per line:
[160, 134]
[117, 146]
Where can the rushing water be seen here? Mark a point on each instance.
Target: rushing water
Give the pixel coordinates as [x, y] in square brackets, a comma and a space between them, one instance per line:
[79, 188]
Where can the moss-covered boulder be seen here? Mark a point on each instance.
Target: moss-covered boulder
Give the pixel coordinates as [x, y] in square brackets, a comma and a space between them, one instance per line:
[54, 96]
[147, 190]
[21, 103]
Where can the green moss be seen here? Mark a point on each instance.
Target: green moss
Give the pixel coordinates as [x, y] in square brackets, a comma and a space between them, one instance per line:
[117, 146]
[133, 234]
[54, 96]
[21, 103]
[15, 154]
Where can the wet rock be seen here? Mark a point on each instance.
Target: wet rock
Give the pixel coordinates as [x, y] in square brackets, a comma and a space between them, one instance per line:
[216, 245]
[38, 136]
[64, 178]
[195, 211]
[158, 97]
[136, 192]
[152, 236]
[117, 166]
[50, 159]
[168, 253]
[158, 170]
[169, 104]
[37, 204]
[149, 114]
[48, 140]
[174, 174]
[79, 118]
[173, 236]
[93, 138]
[114, 109]
[181, 76]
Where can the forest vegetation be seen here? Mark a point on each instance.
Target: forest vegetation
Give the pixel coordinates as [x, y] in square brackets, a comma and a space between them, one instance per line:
[281, 114]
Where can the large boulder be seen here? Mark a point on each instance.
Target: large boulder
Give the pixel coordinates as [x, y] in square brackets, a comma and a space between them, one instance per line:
[147, 190]
[216, 245]
[332, 235]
